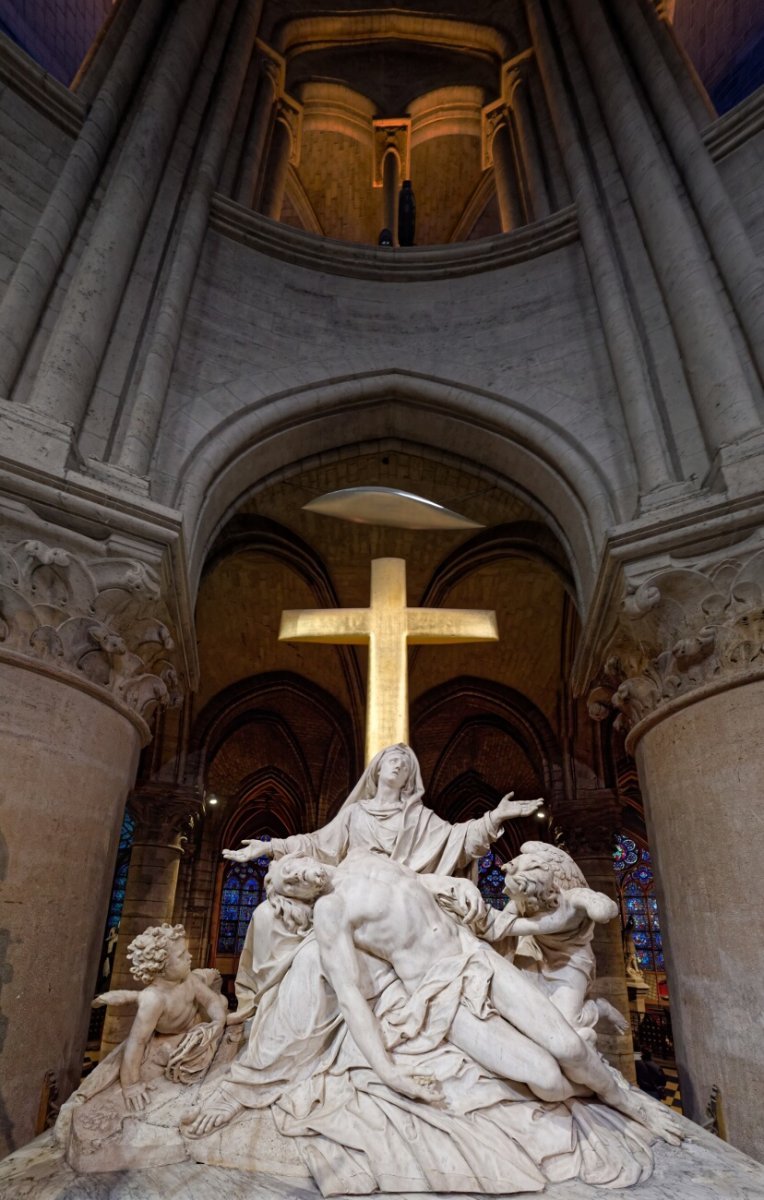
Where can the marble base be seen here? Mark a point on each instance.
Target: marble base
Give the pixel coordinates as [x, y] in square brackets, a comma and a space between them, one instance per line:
[702, 1169]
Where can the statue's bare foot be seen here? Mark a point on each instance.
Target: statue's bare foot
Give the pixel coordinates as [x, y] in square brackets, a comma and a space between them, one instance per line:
[219, 1111]
[651, 1113]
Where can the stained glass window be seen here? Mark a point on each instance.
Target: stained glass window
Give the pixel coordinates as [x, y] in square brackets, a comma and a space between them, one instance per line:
[491, 880]
[126, 836]
[243, 890]
[639, 906]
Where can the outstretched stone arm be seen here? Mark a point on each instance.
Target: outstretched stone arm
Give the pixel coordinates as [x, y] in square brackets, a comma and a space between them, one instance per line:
[482, 832]
[136, 1093]
[339, 960]
[215, 1005]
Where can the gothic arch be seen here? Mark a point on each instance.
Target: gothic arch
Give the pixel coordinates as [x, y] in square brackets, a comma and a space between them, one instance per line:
[253, 699]
[499, 707]
[249, 533]
[530, 454]
[518, 539]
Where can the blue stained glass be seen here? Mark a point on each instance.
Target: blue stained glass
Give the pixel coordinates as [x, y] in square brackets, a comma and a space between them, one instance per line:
[639, 905]
[243, 889]
[625, 852]
[491, 880]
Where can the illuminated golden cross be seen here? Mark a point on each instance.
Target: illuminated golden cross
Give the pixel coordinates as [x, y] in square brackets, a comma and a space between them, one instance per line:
[387, 627]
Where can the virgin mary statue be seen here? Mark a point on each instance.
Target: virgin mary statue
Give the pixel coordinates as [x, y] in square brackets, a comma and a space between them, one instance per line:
[383, 814]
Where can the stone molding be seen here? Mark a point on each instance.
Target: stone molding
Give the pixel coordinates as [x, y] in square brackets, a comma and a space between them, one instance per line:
[165, 815]
[23, 76]
[94, 622]
[411, 263]
[682, 633]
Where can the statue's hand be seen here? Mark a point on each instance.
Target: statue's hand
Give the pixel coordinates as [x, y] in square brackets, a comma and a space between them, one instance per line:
[137, 1095]
[415, 1085]
[463, 899]
[508, 809]
[251, 848]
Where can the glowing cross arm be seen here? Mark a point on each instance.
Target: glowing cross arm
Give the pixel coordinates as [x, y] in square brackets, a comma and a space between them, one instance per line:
[387, 627]
[335, 626]
[440, 626]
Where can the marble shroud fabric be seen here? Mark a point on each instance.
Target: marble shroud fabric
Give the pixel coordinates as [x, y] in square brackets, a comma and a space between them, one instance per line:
[357, 1136]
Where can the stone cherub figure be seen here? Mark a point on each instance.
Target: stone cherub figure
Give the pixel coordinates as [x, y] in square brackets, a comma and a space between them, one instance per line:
[170, 1004]
[550, 919]
[180, 1021]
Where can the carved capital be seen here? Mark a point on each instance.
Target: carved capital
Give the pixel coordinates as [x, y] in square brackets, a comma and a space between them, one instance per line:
[165, 815]
[272, 66]
[492, 117]
[682, 632]
[98, 621]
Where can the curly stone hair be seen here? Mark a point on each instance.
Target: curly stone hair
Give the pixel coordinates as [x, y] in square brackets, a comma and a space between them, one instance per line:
[148, 952]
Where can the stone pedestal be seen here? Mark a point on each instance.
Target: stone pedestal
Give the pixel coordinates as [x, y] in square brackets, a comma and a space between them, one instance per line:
[164, 819]
[702, 776]
[68, 762]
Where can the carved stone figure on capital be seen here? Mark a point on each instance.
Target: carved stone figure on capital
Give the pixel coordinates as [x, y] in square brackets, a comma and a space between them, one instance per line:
[682, 629]
[399, 1035]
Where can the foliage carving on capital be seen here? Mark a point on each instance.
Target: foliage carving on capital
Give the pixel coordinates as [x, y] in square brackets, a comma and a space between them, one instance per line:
[681, 629]
[96, 619]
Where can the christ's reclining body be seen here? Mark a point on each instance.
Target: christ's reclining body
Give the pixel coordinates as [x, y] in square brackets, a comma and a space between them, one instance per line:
[372, 905]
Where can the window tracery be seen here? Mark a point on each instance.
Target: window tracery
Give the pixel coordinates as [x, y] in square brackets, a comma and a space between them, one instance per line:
[243, 890]
[639, 905]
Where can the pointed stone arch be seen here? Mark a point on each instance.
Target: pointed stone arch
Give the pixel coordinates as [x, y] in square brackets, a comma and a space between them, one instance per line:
[491, 434]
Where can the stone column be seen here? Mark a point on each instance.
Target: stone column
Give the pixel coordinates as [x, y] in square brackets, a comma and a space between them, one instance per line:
[82, 663]
[390, 186]
[36, 271]
[682, 67]
[248, 177]
[72, 358]
[533, 171]
[277, 167]
[165, 817]
[687, 657]
[505, 170]
[735, 256]
[642, 418]
[151, 387]
[588, 834]
[724, 401]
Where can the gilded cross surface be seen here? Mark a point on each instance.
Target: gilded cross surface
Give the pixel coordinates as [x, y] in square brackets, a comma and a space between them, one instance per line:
[388, 626]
